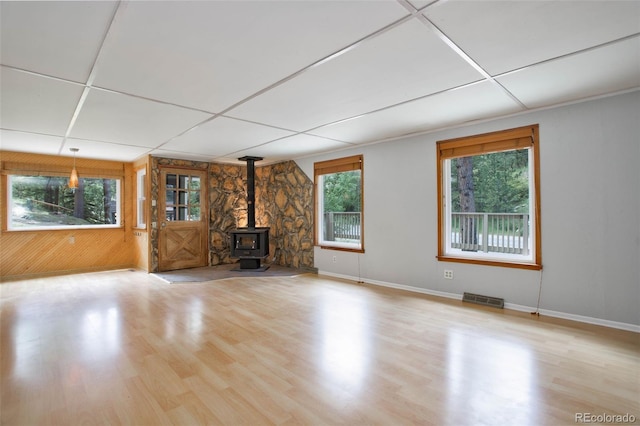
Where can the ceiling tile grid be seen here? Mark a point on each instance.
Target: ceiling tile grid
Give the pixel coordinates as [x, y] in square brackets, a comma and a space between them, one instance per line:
[114, 117]
[104, 150]
[473, 102]
[503, 36]
[298, 145]
[594, 72]
[405, 62]
[212, 54]
[224, 135]
[29, 142]
[59, 39]
[215, 80]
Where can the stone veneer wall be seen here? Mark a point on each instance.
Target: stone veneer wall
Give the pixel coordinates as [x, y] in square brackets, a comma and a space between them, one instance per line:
[286, 196]
[284, 202]
[227, 209]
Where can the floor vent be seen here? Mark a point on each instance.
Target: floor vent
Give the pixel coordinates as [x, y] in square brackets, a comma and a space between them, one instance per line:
[496, 302]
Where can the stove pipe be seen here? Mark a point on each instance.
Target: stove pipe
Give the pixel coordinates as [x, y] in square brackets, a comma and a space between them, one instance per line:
[251, 190]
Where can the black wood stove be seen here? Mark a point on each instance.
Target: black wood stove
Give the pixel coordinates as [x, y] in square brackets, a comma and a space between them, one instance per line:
[250, 244]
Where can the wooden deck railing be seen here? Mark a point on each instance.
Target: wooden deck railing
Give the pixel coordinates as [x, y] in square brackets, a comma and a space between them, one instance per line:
[490, 232]
[342, 226]
[505, 232]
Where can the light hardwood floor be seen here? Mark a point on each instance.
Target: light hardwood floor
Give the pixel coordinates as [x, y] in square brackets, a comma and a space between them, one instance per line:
[124, 347]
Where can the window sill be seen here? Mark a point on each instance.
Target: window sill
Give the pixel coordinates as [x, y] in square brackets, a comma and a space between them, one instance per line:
[342, 248]
[64, 228]
[490, 262]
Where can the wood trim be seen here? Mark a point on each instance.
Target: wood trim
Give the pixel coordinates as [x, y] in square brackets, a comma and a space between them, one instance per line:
[38, 164]
[500, 135]
[338, 165]
[536, 182]
[517, 138]
[449, 151]
[134, 195]
[518, 265]
[345, 164]
[440, 202]
[325, 247]
[4, 202]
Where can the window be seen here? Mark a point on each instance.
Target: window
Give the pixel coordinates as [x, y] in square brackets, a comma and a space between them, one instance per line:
[489, 199]
[47, 202]
[338, 196]
[141, 209]
[182, 200]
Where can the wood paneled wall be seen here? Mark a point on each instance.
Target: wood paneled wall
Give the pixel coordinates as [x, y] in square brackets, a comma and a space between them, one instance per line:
[33, 253]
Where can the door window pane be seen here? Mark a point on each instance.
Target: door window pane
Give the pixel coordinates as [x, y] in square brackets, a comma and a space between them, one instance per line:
[183, 201]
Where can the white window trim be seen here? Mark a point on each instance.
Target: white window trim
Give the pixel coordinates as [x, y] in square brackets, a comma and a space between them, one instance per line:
[141, 198]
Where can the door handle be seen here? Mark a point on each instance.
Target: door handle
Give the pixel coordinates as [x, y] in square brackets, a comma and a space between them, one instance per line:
[163, 224]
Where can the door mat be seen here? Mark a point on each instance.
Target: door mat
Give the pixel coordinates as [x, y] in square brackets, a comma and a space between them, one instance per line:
[220, 272]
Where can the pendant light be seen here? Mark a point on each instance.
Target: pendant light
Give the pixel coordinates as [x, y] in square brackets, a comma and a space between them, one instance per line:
[73, 179]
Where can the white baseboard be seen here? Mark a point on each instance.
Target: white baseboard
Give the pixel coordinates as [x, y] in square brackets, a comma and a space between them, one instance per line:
[515, 307]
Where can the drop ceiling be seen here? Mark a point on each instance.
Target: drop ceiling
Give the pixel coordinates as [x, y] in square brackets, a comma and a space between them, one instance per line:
[218, 80]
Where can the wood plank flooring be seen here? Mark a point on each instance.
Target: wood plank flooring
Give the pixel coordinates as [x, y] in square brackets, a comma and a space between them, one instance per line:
[125, 348]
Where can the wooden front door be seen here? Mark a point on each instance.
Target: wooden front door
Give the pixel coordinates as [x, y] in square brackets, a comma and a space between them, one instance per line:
[182, 209]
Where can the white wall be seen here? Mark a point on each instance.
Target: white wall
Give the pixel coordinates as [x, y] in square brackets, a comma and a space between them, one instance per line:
[590, 200]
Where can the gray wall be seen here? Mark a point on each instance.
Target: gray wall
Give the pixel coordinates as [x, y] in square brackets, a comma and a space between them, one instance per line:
[590, 200]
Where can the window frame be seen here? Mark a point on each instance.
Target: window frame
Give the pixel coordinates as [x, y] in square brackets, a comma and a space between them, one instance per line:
[10, 204]
[179, 203]
[504, 140]
[141, 198]
[345, 164]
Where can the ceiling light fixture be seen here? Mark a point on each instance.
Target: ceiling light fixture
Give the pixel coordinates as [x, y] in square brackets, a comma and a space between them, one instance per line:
[73, 179]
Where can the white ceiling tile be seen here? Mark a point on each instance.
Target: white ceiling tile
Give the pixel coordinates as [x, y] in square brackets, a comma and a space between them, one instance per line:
[222, 136]
[36, 104]
[596, 72]
[406, 62]
[57, 38]
[179, 155]
[210, 55]
[475, 102]
[29, 142]
[104, 150]
[293, 146]
[505, 35]
[112, 117]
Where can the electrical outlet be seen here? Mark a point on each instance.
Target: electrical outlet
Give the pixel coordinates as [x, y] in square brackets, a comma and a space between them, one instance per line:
[448, 274]
[335, 259]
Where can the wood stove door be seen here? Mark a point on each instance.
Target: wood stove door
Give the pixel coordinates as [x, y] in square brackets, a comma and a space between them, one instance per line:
[182, 207]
